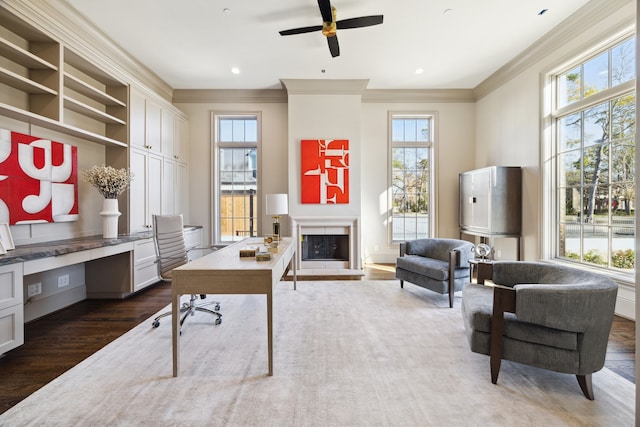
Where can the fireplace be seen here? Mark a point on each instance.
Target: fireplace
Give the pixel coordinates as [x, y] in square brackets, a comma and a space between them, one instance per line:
[327, 242]
[329, 247]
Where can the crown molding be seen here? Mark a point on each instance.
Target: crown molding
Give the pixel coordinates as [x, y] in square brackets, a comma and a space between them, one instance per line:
[233, 96]
[578, 23]
[328, 86]
[418, 95]
[74, 31]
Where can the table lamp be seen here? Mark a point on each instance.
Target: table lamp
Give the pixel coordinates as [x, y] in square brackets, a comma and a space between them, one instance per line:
[277, 205]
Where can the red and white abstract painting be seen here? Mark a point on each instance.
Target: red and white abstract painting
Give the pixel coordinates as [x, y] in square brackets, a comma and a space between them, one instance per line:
[38, 179]
[325, 171]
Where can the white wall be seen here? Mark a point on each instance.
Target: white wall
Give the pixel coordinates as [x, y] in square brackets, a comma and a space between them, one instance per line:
[272, 163]
[454, 153]
[280, 164]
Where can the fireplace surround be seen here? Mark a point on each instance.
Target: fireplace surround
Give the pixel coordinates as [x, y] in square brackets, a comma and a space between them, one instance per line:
[328, 229]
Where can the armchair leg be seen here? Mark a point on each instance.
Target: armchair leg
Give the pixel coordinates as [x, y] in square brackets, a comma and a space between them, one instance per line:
[402, 283]
[504, 300]
[586, 385]
[453, 261]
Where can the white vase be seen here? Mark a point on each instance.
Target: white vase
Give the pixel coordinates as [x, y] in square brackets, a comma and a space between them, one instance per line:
[110, 216]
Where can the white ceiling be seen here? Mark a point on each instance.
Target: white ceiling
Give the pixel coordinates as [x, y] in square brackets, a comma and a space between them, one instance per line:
[194, 44]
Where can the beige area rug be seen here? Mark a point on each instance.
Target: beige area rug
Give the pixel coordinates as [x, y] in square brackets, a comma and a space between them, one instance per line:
[346, 353]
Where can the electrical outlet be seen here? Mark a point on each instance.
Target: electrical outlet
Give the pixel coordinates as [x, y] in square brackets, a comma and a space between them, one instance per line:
[63, 280]
[34, 289]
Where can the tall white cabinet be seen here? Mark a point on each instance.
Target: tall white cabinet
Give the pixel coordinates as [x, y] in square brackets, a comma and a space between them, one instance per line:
[158, 142]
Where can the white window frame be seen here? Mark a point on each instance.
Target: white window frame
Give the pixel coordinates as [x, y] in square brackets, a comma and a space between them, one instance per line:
[430, 145]
[548, 157]
[215, 162]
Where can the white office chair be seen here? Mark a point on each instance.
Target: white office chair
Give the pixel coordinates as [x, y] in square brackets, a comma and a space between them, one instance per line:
[171, 252]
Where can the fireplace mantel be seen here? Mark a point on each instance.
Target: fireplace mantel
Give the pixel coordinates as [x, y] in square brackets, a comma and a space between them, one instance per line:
[350, 226]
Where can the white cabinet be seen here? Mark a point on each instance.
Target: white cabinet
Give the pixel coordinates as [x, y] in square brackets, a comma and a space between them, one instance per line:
[182, 189]
[169, 187]
[160, 184]
[146, 188]
[167, 134]
[11, 307]
[181, 141]
[145, 269]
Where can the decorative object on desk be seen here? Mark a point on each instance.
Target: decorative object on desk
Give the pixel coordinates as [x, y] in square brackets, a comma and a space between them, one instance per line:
[325, 171]
[39, 179]
[5, 237]
[483, 251]
[277, 205]
[247, 253]
[274, 248]
[263, 256]
[110, 216]
[109, 182]
[268, 239]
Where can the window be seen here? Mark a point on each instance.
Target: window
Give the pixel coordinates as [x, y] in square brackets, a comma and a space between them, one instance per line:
[593, 132]
[411, 176]
[236, 141]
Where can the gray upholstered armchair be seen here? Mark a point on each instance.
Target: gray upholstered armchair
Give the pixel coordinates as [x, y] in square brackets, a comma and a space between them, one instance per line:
[440, 265]
[544, 315]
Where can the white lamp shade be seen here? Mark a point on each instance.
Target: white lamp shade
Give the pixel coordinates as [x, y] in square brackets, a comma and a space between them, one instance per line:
[277, 204]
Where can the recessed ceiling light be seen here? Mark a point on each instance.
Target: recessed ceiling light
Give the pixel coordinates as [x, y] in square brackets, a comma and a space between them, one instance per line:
[226, 11]
[420, 71]
[446, 11]
[542, 12]
[235, 70]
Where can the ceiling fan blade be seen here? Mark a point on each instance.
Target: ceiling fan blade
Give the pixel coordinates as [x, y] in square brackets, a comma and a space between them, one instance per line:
[333, 46]
[325, 10]
[301, 30]
[363, 21]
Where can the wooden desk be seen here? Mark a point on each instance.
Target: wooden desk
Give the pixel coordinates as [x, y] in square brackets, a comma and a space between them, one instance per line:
[224, 272]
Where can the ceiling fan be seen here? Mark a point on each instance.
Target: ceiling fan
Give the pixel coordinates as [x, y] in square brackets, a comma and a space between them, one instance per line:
[330, 26]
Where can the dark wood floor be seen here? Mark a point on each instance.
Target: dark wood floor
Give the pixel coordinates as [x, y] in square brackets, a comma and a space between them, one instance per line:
[58, 342]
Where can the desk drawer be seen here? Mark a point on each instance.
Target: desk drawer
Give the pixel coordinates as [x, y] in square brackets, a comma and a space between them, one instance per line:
[11, 328]
[11, 286]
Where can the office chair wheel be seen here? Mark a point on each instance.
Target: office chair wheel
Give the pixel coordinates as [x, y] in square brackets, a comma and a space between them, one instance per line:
[218, 321]
[217, 307]
[155, 323]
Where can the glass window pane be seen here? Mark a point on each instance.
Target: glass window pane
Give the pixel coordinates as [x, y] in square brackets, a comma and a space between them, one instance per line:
[596, 74]
[397, 130]
[569, 132]
[398, 163]
[623, 58]
[225, 127]
[251, 131]
[410, 130]
[423, 130]
[569, 168]
[596, 165]
[596, 124]
[238, 130]
[569, 87]
[623, 117]
[569, 202]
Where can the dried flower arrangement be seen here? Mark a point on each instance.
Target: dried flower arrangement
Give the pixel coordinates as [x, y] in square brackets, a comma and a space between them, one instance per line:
[109, 181]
